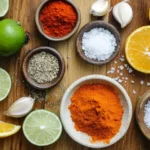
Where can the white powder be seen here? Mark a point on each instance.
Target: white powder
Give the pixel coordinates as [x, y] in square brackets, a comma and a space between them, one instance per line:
[98, 44]
[147, 114]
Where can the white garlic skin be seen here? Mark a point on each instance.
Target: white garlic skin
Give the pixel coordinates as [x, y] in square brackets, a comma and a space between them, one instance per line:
[20, 108]
[123, 13]
[100, 8]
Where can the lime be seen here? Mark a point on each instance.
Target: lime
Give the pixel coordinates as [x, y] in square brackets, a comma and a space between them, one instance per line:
[5, 84]
[4, 5]
[42, 127]
[13, 37]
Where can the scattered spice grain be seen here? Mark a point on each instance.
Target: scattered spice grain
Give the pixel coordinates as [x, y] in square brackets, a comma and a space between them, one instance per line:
[43, 67]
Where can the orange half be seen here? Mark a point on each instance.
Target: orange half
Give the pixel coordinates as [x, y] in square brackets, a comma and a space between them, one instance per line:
[137, 49]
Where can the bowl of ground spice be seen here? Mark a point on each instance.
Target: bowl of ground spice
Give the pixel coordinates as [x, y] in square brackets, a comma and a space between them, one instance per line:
[96, 111]
[57, 20]
[43, 67]
[98, 42]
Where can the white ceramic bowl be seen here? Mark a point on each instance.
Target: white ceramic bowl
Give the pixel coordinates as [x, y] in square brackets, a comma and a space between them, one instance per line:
[81, 137]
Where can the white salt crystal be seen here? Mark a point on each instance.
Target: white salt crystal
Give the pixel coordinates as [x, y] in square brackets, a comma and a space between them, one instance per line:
[118, 71]
[141, 82]
[148, 83]
[112, 68]
[121, 74]
[120, 81]
[147, 114]
[98, 44]
[126, 65]
[130, 70]
[115, 62]
[132, 81]
[121, 67]
[134, 92]
[122, 59]
[116, 78]
[126, 78]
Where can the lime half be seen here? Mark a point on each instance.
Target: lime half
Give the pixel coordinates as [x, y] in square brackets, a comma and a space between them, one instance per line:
[5, 84]
[4, 6]
[42, 127]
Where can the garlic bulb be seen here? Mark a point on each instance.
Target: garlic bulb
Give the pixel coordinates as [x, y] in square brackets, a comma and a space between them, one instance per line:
[20, 108]
[123, 13]
[100, 8]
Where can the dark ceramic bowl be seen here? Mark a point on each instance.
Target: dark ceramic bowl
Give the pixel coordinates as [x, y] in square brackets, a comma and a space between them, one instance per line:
[53, 82]
[87, 28]
[40, 26]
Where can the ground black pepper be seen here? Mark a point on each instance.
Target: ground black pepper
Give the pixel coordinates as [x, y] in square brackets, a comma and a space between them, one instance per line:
[43, 67]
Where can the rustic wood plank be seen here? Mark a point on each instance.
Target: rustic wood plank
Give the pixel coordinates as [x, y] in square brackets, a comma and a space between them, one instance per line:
[22, 11]
[76, 68]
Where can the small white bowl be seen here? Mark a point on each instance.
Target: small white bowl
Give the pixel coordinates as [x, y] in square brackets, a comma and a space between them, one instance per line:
[81, 137]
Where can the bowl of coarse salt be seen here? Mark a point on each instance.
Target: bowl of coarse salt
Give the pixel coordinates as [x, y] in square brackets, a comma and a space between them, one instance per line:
[90, 114]
[98, 42]
[143, 114]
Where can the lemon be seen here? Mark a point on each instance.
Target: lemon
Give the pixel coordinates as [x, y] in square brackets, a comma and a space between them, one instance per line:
[137, 49]
[12, 37]
[7, 129]
[4, 5]
[42, 127]
[5, 84]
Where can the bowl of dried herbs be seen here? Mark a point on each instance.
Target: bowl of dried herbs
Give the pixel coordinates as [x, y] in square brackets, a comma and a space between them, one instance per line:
[43, 67]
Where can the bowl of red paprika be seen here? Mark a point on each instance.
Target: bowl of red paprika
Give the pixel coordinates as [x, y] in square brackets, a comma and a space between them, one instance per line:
[96, 111]
[57, 20]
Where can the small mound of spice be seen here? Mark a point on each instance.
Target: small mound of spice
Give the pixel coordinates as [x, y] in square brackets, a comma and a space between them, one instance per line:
[96, 111]
[43, 67]
[58, 18]
[98, 44]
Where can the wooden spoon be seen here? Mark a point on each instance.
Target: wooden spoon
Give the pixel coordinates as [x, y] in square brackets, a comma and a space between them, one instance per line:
[140, 114]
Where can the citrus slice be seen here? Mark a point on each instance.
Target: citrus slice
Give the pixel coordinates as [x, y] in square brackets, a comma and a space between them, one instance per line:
[5, 84]
[42, 127]
[7, 129]
[137, 49]
[4, 6]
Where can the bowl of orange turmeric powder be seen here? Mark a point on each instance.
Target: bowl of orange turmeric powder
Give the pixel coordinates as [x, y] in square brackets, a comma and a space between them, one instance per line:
[96, 111]
[57, 20]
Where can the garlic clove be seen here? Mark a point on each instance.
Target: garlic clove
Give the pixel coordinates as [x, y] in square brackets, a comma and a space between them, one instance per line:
[123, 13]
[20, 108]
[100, 8]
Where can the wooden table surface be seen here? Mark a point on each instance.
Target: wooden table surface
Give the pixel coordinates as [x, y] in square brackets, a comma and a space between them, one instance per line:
[24, 12]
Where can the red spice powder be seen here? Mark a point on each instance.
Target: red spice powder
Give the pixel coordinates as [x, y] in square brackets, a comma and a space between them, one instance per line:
[58, 18]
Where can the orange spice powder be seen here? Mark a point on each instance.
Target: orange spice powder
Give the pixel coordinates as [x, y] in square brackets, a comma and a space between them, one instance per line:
[96, 110]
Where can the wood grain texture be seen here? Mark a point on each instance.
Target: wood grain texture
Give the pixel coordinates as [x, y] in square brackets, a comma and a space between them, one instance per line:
[24, 11]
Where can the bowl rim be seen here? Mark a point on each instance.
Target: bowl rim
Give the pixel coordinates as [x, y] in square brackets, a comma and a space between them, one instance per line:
[99, 77]
[108, 26]
[33, 83]
[66, 36]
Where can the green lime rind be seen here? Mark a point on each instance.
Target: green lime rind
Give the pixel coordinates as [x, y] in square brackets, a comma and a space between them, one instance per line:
[5, 84]
[42, 127]
[13, 35]
[4, 6]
